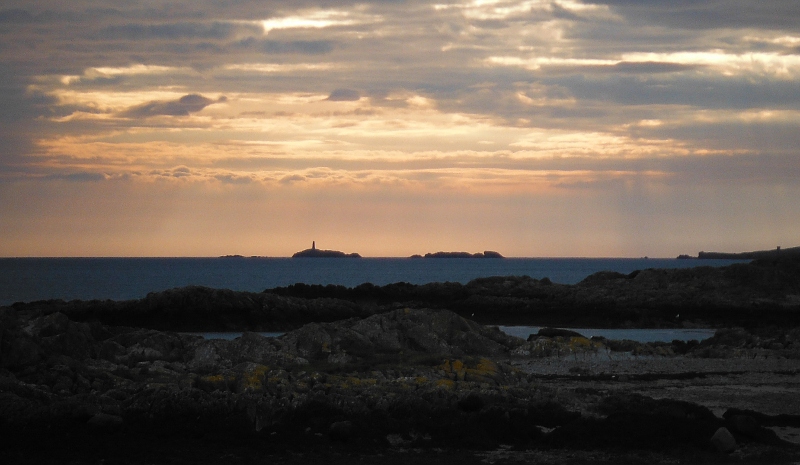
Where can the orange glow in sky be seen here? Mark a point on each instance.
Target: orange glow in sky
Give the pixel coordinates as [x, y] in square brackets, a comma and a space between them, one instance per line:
[536, 128]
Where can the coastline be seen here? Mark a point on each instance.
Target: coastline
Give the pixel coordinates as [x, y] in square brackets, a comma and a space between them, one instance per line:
[33, 279]
[760, 293]
[387, 373]
[410, 380]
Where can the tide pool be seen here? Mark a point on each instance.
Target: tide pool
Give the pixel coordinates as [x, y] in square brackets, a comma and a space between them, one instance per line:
[638, 335]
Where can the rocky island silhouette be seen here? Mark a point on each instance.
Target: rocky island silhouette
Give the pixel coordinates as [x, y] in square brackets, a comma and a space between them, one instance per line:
[776, 253]
[485, 254]
[314, 252]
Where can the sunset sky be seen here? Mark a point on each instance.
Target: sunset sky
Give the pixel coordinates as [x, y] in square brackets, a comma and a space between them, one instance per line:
[389, 128]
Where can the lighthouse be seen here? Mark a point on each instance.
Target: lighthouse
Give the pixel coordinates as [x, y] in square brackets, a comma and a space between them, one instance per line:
[313, 245]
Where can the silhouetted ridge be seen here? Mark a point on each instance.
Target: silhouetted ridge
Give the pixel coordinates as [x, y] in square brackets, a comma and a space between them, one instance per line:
[485, 254]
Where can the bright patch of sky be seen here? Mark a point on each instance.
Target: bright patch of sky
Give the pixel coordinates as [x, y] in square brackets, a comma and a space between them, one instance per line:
[638, 115]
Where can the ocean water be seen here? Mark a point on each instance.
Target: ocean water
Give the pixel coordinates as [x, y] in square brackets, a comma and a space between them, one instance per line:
[31, 279]
[633, 334]
[638, 335]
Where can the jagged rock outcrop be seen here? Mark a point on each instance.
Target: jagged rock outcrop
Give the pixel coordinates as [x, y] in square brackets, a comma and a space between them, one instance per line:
[406, 331]
[198, 308]
[407, 378]
[739, 342]
[762, 293]
[746, 294]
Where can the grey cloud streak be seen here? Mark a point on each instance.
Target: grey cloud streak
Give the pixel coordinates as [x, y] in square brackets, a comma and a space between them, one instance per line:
[172, 31]
[344, 95]
[185, 105]
[406, 50]
[20, 111]
[699, 14]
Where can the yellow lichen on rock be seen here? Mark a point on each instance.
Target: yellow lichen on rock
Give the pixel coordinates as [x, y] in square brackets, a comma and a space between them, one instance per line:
[486, 371]
[483, 371]
[253, 380]
[217, 382]
[446, 384]
[454, 369]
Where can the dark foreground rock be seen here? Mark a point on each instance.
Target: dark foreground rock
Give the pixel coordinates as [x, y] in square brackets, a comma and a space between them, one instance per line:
[759, 294]
[410, 379]
[198, 308]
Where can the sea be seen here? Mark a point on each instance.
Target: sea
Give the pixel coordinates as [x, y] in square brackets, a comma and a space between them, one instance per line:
[523, 331]
[32, 279]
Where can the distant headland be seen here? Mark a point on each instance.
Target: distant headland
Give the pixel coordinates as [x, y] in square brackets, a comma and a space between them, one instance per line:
[314, 252]
[486, 254]
[759, 254]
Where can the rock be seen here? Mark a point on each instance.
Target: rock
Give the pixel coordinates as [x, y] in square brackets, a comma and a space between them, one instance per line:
[396, 440]
[765, 420]
[403, 331]
[320, 253]
[485, 254]
[137, 353]
[105, 421]
[206, 357]
[723, 441]
[409, 377]
[472, 402]
[744, 424]
[49, 325]
[20, 351]
[341, 431]
[557, 332]
[602, 278]
[730, 337]
[743, 294]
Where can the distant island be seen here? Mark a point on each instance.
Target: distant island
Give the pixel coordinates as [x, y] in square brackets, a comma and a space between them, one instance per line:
[759, 254]
[486, 254]
[314, 252]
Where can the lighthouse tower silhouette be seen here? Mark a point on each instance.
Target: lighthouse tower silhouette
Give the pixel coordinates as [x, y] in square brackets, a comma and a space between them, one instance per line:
[313, 245]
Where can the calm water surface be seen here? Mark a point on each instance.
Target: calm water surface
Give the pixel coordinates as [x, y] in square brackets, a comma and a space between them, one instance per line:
[30, 279]
[638, 335]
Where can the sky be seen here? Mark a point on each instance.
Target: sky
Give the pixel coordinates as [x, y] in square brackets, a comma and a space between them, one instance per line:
[533, 128]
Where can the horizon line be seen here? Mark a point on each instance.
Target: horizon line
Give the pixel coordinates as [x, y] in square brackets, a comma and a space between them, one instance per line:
[238, 256]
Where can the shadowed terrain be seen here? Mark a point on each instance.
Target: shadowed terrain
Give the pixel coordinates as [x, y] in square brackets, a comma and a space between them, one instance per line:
[396, 373]
[761, 293]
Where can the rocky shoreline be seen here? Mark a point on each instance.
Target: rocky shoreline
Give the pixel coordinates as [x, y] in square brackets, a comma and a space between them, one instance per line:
[391, 374]
[416, 380]
[762, 293]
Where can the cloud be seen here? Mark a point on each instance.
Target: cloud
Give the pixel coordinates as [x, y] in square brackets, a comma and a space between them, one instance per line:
[312, 20]
[21, 111]
[16, 16]
[491, 98]
[171, 31]
[85, 176]
[286, 47]
[344, 95]
[694, 90]
[699, 14]
[292, 179]
[650, 67]
[185, 105]
[233, 179]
